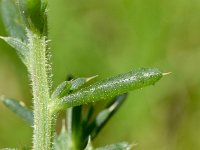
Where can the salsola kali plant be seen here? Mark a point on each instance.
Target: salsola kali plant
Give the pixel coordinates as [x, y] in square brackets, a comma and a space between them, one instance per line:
[26, 25]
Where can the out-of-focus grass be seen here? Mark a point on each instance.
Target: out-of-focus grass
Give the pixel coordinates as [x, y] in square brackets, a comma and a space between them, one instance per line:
[110, 37]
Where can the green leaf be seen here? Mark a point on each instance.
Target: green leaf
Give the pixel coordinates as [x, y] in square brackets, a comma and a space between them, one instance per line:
[103, 117]
[89, 145]
[61, 140]
[61, 90]
[21, 48]
[12, 20]
[79, 82]
[19, 109]
[34, 14]
[118, 146]
[66, 87]
[110, 87]
[105, 114]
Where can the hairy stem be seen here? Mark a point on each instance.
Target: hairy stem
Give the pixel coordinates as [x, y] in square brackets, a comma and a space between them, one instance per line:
[42, 138]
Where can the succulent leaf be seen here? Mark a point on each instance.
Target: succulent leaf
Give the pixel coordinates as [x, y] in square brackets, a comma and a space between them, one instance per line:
[34, 14]
[111, 87]
[79, 82]
[89, 145]
[12, 20]
[61, 90]
[61, 140]
[19, 109]
[21, 48]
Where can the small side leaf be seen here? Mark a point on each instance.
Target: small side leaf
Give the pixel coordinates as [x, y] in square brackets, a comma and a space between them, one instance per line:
[113, 107]
[20, 47]
[62, 90]
[79, 82]
[34, 14]
[104, 116]
[19, 109]
[89, 145]
[118, 146]
[66, 87]
[61, 140]
[12, 20]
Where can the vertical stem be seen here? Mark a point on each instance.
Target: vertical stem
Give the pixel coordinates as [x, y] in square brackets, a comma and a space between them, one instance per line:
[43, 117]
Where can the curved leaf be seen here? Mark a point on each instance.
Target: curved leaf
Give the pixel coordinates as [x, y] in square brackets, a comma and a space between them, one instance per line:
[34, 14]
[12, 19]
[61, 90]
[104, 116]
[19, 109]
[110, 87]
[61, 141]
[21, 48]
[79, 82]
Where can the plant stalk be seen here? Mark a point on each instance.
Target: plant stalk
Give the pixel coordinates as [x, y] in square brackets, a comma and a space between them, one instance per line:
[43, 117]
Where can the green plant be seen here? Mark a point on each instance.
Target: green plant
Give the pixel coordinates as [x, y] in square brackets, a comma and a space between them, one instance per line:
[26, 24]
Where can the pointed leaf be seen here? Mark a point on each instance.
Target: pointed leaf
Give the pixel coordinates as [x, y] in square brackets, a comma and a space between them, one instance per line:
[20, 47]
[102, 116]
[61, 140]
[34, 14]
[118, 146]
[12, 20]
[62, 90]
[79, 82]
[111, 87]
[89, 145]
[19, 109]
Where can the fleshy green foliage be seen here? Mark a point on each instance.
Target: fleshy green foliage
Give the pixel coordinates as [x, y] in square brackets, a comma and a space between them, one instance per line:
[61, 140]
[12, 19]
[103, 117]
[21, 48]
[67, 87]
[19, 109]
[111, 87]
[34, 14]
[27, 29]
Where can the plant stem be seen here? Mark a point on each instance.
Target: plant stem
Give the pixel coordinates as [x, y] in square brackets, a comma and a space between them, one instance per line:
[42, 138]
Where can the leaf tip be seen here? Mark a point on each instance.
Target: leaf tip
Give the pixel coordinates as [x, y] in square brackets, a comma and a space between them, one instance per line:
[166, 73]
[90, 78]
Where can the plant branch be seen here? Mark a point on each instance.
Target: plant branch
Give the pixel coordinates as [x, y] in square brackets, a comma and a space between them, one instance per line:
[43, 116]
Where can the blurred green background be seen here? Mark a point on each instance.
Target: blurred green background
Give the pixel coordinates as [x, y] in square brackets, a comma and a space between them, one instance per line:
[108, 37]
